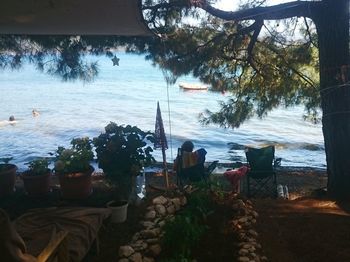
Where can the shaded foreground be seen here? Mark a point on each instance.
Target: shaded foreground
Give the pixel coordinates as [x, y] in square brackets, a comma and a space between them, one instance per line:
[309, 227]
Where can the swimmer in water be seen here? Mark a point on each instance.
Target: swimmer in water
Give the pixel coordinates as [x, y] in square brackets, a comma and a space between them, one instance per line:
[35, 113]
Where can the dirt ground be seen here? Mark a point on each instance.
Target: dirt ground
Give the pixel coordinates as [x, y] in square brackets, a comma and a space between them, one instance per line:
[308, 227]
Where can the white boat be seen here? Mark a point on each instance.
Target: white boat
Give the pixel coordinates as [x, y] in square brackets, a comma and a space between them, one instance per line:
[188, 86]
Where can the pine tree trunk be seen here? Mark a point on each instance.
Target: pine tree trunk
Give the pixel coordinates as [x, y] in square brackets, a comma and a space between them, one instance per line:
[332, 23]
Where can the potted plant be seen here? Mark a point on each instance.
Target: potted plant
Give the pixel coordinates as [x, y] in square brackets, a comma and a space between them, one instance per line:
[7, 176]
[122, 151]
[36, 179]
[73, 168]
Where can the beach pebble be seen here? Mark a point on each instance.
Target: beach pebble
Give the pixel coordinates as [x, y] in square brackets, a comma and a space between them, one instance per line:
[150, 215]
[161, 200]
[147, 224]
[160, 210]
[155, 250]
[139, 246]
[136, 257]
[243, 251]
[253, 232]
[177, 203]
[243, 259]
[149, 233]
[136, 236]
[148, 259]
[152, 241]
[126, 251]
[171, 209]
[243, 220]
[183, 201]
[161, 223]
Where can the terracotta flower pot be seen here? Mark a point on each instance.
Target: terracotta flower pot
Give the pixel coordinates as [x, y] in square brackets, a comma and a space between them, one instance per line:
[7, 179]
[36, 185]
[76, 185]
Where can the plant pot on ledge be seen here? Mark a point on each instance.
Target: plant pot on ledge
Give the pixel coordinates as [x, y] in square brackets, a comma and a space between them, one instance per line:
[36, 179]
[74, 170]
[7, 179]
[36, 185]
[76, 185]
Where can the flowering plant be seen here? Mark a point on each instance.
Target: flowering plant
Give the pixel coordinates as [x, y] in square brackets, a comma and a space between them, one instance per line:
[122, 151]
[75, 159]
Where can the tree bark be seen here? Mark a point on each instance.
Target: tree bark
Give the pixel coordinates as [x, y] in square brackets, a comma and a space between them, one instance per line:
[332, 23]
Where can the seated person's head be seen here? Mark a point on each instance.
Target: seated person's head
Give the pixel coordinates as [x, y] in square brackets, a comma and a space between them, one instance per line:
[11, 118]
[187, 146]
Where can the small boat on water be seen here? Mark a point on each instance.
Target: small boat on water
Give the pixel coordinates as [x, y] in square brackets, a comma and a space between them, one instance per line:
[187, 86]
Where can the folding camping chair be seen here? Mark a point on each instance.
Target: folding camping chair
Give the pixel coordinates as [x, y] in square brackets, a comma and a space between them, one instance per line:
[261, 175]
[190, 168]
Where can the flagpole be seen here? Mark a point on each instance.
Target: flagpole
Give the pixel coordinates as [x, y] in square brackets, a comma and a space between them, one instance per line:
[165, 169]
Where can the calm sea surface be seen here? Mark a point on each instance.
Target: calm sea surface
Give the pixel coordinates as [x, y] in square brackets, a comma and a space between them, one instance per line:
[128, 94]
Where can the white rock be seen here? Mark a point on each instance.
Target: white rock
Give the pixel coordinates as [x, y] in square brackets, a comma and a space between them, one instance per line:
[243, 259]
[136, 236]
[149, 233]
[139, 245]
[136, 257]
[183, 201]
[243, 220]
[171, 209]
[160, 210]
[177, 203]
[126, 251]
[152, 241]
[255, 214]
[243, 251]
[148, 259]
[161, 223]
[253, 232]
[155, 250]
[150, 215]
[161, 200]
[147, 224]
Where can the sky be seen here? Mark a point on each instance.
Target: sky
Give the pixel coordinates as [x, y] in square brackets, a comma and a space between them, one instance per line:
[231, 5]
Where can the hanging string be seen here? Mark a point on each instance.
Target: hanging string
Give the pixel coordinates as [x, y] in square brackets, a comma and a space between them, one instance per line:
[169, 119]
[169, 79]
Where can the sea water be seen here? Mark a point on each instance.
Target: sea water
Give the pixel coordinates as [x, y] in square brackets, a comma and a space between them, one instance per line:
[128, 94]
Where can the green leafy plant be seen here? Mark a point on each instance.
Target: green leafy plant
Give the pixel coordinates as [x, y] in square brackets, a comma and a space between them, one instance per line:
[181, 235]
[38, 167]
[75, 159]
[122, 151]
[184, 232]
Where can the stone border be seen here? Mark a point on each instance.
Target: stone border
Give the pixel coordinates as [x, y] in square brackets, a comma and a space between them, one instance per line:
[145, 244]
[249, 248]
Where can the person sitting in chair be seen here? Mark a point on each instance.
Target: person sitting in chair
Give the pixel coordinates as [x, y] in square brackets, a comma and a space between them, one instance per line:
[189, 165]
